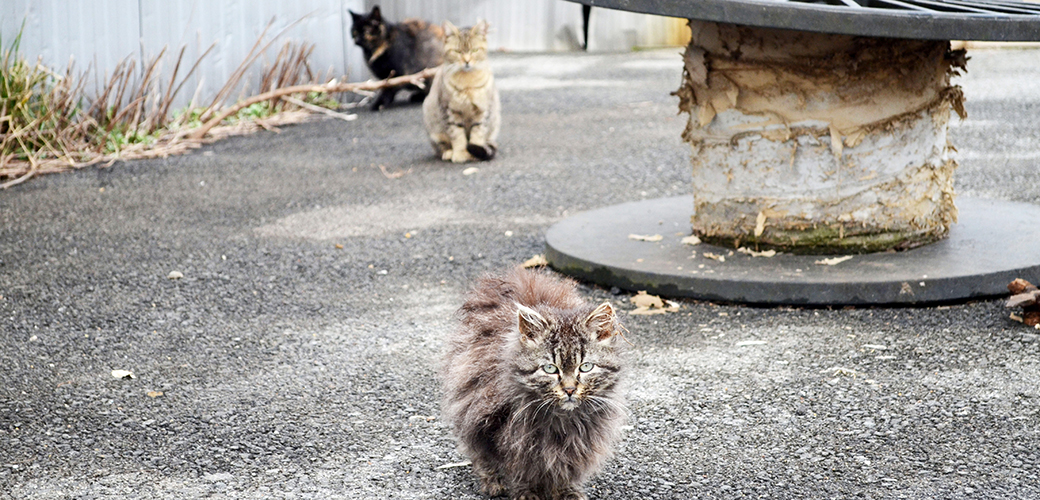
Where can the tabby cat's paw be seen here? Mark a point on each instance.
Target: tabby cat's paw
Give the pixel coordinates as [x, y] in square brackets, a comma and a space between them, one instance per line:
[460, 156]
[446, 155]
[527, 495]
[481, 152]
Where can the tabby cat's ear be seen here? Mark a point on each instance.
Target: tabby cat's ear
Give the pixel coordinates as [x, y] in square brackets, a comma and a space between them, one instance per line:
[450, 29]
[481, 28]
[531, 324]
[602, 322]
[376, 15]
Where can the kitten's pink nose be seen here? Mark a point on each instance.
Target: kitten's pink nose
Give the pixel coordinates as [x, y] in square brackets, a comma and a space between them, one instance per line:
[569, 390]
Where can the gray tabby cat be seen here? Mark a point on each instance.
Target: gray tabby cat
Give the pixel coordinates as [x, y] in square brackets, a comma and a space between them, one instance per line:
[532, 383]
[462, 110]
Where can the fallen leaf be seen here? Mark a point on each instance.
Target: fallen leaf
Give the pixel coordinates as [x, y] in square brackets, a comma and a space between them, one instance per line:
[720, 258]
[834, 260]
[536, 261]
[764, 253]
[470, 171]
[647, 305]
[127, 374]
[175, 275]
[643, 299]
[691, 240]
[640, 237]
[154, 394]
[339, 246]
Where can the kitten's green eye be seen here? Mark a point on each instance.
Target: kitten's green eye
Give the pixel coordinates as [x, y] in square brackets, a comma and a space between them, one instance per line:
[586, 367]
[550, 369]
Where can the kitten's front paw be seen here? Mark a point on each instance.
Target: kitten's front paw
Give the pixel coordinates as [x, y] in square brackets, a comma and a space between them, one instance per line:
[571, 494]
[527, 495]
[493, 489]
[446, 155]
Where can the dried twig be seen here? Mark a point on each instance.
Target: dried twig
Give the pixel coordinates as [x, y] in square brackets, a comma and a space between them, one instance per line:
[332, 87]
[319, 109]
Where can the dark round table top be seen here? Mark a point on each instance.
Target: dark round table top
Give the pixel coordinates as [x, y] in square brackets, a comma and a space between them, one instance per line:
[992, 20]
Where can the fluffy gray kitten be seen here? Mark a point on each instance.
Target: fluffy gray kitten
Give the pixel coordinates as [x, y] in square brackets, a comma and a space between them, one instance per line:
[532, 382]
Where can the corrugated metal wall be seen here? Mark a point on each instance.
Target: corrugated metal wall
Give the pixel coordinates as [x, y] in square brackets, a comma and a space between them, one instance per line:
[101, 33]
[545, 25]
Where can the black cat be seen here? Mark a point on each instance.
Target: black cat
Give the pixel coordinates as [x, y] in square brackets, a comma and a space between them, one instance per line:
[397, 50]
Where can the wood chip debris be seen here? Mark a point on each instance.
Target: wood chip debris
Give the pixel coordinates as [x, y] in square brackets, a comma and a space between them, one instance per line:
[393, 175]
[743, 343]
[642, 237]
[876, 347]
[536, 261]
[840, 370]
[467, 463]
[764, 253]
[123, 374]
[720, 258]
[470, 171]
[154, 394]
[175, 275]
[691, 240]
[647, 305]
[833, 261]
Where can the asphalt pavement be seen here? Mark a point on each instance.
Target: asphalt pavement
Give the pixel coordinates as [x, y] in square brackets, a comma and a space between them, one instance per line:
[321, 266]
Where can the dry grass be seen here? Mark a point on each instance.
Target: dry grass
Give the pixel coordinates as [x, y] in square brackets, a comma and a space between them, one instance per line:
[48, 125]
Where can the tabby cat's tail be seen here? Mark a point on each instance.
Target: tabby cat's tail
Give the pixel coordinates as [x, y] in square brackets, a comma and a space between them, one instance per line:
[482, 153]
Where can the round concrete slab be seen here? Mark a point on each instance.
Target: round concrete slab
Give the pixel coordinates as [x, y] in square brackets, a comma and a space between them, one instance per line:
[993, 243]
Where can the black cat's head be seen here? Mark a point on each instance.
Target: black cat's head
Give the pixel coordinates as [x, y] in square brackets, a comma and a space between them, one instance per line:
[370, 31]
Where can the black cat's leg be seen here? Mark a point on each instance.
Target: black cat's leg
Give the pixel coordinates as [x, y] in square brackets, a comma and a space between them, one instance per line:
[418, 93]
[384, 98]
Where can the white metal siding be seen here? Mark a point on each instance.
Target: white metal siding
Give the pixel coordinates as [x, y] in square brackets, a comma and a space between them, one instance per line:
[101, 33]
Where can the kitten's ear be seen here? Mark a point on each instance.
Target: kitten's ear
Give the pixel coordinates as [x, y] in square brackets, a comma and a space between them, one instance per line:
[481, 28]
[602, 322]
[531, 324]
[376, 15]
[450, 29]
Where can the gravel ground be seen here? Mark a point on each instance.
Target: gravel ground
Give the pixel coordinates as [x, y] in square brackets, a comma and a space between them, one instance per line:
[296, 357]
